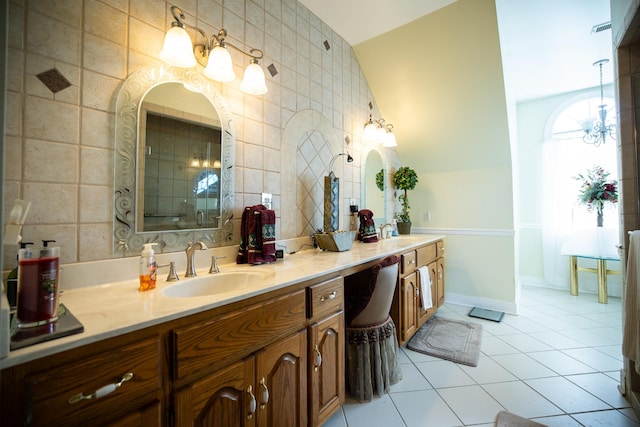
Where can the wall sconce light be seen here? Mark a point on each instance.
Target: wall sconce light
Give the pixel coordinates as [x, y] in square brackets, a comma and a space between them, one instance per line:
[376, 131]
[180, 51]
[349, 160]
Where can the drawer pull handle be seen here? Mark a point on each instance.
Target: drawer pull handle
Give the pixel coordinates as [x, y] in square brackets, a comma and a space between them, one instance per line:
[318, 358]
[252, 403]
[331, 296]
[102, 391]
[412, 261]
[265, 393]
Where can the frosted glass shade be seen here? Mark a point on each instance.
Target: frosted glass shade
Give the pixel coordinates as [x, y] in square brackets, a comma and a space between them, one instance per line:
[389, 140]
[219, 67]
[178, 49]
[369, 133]
[253, 82]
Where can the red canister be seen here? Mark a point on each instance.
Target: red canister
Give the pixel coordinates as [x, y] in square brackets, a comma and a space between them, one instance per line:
[38, 273]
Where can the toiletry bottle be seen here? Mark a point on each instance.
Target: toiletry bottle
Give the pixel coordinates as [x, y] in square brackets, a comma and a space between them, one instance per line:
[394, 232]
[147, 268]
[12, 279]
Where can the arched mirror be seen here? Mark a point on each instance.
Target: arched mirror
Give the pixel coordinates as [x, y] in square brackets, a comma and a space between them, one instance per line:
[174, 162]
[374, 186]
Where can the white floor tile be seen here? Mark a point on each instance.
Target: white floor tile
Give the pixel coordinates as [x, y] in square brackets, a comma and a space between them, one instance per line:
[561, 363]
[558, 421]
[471, 404]
[412, 380]
[590, 339]
[525, 325]
[521, 399]
[444, 374]
[556, 340]
[379, 412]
[614, 351]
[488, 371]
[602, 386]
[424, 409]
[523, 366]
[566, 395]
[605, 418]
[337, 420]
[492, 345]
[524, 343]
[594, 358]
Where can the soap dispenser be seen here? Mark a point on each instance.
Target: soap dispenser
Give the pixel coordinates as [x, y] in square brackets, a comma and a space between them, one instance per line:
[147, 268]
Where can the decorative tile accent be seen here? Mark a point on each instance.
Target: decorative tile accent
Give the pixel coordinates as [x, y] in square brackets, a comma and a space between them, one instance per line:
[327, 46]
[54, 80]
[272, 70]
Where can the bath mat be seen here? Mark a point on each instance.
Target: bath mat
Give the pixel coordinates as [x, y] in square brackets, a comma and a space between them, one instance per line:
[447, 339]
[507, 419]
[484, 313]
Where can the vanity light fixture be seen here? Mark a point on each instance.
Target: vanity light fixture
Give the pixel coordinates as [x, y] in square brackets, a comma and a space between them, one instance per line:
[596, 131]
[376, 131]
[213, 54]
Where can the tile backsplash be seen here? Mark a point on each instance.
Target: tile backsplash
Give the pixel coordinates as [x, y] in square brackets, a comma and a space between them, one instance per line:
[60, 146]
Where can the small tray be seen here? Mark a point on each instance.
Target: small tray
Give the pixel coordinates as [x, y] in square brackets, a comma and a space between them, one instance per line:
[66, 325]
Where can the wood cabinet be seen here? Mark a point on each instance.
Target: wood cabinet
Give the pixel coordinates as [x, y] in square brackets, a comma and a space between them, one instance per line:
[326, 350]
[105, 384]
[408, 311]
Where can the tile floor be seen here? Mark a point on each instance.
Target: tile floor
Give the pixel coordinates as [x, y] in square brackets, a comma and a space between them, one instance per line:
[558, 363]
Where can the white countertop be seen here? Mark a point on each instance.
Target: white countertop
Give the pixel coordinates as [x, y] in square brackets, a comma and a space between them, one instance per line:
[113, 309]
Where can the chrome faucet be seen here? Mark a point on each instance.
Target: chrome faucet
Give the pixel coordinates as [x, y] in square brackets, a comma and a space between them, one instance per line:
[384, 235]
[191, 252]
[214, 264]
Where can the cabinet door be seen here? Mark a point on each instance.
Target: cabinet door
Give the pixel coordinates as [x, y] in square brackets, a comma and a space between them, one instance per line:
[326, 368]
[281, 382]
[424, 315]
[408, 315]
[148, 416]
[440, 281]
[226, 398]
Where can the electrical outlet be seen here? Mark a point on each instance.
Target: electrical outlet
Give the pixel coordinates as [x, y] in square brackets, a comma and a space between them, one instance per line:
[427, 216]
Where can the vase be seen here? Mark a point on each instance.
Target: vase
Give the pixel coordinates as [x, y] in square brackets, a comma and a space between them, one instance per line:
[600, 218]
[404, 227]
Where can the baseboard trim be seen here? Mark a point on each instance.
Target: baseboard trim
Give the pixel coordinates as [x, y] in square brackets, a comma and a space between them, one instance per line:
[491, 304]
[464, 231]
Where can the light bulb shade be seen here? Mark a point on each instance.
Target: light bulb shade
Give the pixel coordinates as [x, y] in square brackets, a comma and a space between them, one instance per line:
[219, 67]
[253, 82]
[389, 140]
[369, 133]
[381, 135]
[178, 49]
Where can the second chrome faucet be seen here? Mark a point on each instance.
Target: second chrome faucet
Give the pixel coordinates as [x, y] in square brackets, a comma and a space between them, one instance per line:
[191, 252]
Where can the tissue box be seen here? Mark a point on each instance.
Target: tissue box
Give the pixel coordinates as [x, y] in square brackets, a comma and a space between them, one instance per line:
[336, 241]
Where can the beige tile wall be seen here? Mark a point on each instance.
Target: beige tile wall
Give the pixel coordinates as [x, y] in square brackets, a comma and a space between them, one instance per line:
[60, 146]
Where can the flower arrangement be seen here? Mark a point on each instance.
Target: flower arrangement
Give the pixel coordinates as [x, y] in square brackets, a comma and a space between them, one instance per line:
[596, 190]
[405, 179]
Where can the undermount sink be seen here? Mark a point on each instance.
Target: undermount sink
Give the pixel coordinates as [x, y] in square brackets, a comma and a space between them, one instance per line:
[214, 284]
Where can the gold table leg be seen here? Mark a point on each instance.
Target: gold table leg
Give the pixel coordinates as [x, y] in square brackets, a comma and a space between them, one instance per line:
[602, 282]
[573, 274]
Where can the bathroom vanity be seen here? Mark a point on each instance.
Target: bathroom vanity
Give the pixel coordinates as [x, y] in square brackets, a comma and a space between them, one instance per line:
[270, 353]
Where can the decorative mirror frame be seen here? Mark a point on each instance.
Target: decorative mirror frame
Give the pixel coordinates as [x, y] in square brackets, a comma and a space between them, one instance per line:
[386, 191]
[128, 104]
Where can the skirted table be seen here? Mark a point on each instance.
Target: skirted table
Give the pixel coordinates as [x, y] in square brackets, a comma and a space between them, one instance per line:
[599, 244]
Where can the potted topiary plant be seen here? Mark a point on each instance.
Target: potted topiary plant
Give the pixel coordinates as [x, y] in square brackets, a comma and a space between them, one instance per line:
[405, 179]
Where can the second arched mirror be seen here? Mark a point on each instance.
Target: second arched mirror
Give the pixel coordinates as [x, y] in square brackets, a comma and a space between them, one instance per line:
[374, 186]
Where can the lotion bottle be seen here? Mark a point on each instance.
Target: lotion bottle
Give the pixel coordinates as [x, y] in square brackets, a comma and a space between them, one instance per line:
[147, 268]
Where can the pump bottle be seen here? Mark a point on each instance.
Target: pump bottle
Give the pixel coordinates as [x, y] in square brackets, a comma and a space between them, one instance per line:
[147, 268]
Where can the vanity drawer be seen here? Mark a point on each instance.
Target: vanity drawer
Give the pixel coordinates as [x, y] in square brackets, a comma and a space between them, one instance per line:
[233, 336]
[408, 262]
[426, 254]
[325, 298]
[51, 392]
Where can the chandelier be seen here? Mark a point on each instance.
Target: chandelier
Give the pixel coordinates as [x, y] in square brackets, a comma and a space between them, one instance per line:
[596, 130]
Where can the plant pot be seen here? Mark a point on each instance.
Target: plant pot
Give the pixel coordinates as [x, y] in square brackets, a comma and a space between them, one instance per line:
[404, 227]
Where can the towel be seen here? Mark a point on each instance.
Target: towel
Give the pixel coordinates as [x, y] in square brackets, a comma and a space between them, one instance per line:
[425, 287]
[257, 236]
[367, 232]
[630, 340]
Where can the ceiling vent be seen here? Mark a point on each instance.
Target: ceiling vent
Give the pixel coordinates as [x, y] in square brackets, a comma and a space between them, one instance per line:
[601, 27]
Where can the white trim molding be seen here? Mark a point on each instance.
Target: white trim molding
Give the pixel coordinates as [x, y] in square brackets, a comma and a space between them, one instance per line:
[464, 231]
